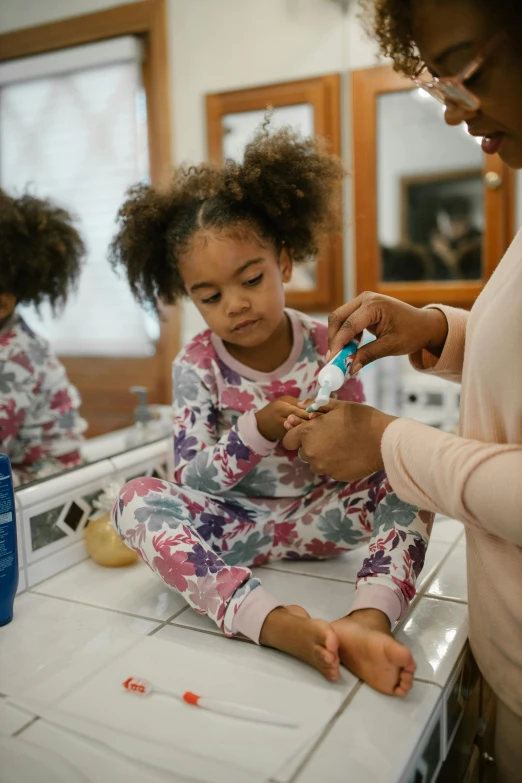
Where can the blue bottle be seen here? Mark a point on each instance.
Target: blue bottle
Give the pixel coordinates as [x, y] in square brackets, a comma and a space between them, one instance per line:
[8, 545]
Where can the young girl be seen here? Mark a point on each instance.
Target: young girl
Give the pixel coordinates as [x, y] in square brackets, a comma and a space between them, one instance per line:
[40, 427]
[227, 238]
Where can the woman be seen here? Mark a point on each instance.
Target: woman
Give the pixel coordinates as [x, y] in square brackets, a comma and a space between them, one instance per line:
[476, 477]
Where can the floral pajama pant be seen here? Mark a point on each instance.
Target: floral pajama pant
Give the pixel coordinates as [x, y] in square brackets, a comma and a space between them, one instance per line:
[202, 545]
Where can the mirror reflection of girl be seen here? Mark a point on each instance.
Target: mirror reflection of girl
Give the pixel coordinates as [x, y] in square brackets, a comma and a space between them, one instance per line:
[40, 426]
[228, 237]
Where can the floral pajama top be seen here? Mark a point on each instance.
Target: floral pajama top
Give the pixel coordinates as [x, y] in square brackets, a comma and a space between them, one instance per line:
[218, 447]
[40, 425]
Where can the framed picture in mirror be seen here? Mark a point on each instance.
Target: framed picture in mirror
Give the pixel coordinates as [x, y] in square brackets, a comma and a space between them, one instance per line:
[309, 106]
[442, 219]
[433, 214]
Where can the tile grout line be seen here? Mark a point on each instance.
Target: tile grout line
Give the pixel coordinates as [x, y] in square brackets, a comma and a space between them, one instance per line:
[177, 614]
[29, 723]
[158, 628]
[447, 599]
[166, 622]
[430, 682]
[97, 606]
[219, 635]
[326, 730]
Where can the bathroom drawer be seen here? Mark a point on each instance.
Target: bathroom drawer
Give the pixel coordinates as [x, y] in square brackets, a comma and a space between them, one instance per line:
[473, 771]
[458, 692]
[463, 746]
[426, 765]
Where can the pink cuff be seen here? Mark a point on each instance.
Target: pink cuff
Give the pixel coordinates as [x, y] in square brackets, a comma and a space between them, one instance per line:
[251, 437]
[252, 613]
[452, 357]
[386, 599]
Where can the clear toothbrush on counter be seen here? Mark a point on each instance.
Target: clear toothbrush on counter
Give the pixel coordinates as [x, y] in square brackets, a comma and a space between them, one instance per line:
[142, 687]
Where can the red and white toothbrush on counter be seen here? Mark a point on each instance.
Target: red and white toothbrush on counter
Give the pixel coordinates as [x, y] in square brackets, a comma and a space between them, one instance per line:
[141, 687]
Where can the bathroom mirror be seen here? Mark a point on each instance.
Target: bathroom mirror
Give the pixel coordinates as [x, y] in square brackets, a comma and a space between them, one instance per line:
[309, 106]
[105, 74]
[433, 215]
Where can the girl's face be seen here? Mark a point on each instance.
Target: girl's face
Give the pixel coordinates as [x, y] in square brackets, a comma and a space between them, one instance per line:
[237, 286]
[449, 36]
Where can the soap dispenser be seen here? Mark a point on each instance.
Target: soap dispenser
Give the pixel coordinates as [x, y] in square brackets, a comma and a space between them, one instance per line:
[146, 419]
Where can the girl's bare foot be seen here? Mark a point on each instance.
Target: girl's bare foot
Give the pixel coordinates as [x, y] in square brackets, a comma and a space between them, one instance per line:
[292, 630]
[368, 649]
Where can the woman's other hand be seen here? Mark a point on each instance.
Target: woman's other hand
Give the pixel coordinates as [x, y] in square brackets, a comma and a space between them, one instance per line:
[399, 328]
[344, 443]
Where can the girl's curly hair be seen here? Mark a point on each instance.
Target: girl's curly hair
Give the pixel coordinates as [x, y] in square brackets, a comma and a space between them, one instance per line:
[285, 192]
[41, 252]
[389, 21]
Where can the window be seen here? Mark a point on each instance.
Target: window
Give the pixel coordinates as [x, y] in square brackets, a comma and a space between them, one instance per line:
[73, 127]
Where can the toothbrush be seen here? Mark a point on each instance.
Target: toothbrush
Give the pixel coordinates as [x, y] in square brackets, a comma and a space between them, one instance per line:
[142, 687]
[333, 375]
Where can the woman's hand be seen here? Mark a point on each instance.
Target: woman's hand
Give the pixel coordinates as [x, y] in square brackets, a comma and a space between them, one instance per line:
[344, 443]
[399, 328]
[271, 419]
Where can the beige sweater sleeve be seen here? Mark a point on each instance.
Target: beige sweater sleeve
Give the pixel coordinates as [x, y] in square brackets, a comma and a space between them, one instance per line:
[478, 483]
[450, 364]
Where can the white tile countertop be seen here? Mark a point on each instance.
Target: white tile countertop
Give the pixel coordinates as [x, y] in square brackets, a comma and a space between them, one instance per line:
[64, 624]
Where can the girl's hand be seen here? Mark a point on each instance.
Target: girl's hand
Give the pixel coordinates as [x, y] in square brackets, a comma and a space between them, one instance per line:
[271, 419]
[293, 421]
[344, 443]
[399, 328]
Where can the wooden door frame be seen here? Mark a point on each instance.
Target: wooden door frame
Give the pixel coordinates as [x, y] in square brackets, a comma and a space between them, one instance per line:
[147, 19]
[499, 205]
[323, 93]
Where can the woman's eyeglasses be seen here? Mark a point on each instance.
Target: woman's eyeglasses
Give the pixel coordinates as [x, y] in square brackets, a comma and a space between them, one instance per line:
[452, 89]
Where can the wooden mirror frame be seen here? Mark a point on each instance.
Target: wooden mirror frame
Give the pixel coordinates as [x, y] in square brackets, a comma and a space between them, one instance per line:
[324, 95]
[499, 204]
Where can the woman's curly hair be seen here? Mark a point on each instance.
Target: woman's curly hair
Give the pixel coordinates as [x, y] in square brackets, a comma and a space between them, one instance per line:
[284, 192]
[41, 252]
[389, 22]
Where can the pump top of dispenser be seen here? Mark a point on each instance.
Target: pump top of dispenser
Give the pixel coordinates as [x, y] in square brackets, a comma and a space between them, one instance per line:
[144, 412]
